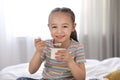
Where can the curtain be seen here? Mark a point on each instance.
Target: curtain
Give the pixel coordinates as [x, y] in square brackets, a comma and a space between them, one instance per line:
[21, 21]
[13, 49]
[100, 28]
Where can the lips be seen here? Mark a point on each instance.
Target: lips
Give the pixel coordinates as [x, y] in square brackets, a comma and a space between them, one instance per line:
[60, 36]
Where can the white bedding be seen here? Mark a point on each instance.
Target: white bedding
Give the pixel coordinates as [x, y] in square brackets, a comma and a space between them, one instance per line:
[94, 69]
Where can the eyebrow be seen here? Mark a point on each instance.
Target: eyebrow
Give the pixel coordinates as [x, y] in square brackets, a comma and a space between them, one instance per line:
[52, 24]
[62, 24]
[65, 24]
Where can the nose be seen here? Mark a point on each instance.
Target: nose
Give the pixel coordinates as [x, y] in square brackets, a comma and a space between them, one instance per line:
[59, 30]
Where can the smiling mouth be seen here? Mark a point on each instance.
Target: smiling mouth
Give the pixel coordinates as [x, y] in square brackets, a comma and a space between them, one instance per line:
[59, 37]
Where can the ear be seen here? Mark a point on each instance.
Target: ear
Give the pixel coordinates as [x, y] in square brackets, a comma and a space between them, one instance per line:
[74, 25]
[48, 26]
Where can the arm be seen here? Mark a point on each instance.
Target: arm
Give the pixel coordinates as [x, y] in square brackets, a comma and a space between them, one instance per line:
[78, 70]
[35, 61]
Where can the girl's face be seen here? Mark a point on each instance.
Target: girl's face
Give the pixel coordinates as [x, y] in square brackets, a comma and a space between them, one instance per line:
[61, 26]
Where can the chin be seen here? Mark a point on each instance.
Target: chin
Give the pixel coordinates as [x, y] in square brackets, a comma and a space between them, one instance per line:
[59, 41]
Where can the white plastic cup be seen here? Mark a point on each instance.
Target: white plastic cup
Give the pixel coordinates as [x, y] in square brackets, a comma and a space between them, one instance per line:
[54, 50]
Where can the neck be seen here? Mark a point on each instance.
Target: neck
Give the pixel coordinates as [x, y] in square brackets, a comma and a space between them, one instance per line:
[66, 44]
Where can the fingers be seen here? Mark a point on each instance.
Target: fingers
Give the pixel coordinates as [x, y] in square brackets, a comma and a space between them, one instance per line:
[59, 58]
[39, 41]
[39, 44]
[63, 55]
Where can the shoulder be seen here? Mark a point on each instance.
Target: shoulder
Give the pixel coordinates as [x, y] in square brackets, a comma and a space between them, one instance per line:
[77, 44]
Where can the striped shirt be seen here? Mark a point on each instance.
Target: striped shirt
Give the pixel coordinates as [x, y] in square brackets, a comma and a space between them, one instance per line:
[57, 69]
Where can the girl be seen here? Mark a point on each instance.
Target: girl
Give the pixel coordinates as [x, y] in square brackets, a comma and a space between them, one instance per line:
[69, 63]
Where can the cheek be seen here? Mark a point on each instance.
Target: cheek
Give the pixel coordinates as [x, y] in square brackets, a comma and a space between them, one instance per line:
[68, 32]
[52, 32]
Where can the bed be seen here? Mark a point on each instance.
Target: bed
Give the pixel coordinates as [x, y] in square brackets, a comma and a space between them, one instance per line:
[95, 69]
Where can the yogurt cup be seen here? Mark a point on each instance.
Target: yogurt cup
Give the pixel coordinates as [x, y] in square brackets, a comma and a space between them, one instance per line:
[54, 50]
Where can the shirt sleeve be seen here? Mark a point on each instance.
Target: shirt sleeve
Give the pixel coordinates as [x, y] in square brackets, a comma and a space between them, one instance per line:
[79, 54]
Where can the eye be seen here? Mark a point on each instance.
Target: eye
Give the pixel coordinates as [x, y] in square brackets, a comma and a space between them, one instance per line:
[54, 26]
[65, 26]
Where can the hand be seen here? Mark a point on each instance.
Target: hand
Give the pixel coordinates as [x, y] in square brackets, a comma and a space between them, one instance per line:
[63, 55]
[39, 44]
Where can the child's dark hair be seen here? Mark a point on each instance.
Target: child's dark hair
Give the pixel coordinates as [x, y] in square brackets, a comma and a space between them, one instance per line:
[69, 11]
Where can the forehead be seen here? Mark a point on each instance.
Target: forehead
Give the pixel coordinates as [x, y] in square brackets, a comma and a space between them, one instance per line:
[60, 15]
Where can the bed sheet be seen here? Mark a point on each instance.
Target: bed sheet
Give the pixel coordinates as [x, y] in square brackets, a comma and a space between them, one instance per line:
[20, 70]
[95, 69]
